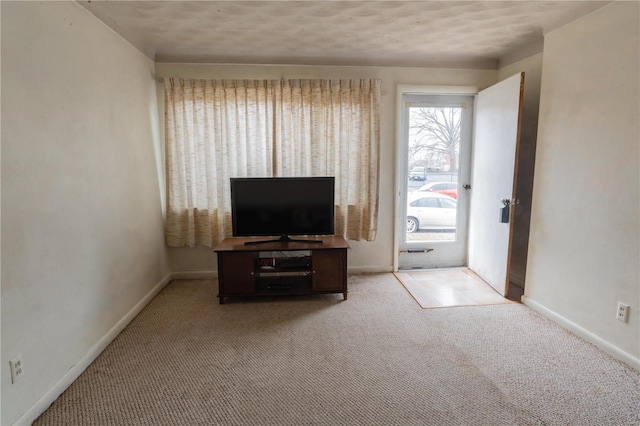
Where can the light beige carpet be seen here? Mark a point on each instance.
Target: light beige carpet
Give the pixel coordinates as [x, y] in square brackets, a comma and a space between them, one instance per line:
[445, 288]
[376, 359]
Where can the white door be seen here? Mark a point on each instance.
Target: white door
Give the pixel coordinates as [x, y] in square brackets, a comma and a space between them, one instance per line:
[436, 139]
[493, 198]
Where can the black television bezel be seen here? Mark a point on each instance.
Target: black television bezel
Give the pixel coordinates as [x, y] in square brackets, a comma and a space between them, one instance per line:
[275, 180]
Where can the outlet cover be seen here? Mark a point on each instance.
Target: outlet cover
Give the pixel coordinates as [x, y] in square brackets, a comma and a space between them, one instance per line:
[622, 314]
[16, 369]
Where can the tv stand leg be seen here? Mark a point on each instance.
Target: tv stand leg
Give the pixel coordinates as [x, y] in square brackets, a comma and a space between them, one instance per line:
[344, 295]
[221, 300]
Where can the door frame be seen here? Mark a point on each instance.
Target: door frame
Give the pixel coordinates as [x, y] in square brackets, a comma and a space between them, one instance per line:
[401, 149]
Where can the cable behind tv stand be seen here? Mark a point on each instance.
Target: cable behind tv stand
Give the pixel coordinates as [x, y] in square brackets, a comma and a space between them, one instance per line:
[283, 239]
[254, 267]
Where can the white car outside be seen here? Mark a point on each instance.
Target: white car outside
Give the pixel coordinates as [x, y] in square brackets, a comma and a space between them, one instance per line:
[430, 210]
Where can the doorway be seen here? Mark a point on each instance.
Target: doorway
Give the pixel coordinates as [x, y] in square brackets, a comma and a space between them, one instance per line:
[436, 134]
[435, 148]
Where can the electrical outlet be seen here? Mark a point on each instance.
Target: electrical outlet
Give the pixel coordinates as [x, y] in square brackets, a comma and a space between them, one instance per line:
[16, 369]
[622, 314]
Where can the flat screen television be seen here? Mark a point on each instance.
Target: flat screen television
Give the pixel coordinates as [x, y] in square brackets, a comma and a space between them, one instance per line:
[282, 207]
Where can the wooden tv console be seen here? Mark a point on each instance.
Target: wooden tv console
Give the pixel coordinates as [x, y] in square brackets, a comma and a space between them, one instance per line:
[282, 268]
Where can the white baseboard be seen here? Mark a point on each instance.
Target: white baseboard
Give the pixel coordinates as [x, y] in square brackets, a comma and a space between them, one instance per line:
[607, 347]
[74, 372]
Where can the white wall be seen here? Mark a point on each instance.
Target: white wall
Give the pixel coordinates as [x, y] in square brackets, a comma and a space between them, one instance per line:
[82, 233]
[584, 250]
[532, 67]
[363, 256]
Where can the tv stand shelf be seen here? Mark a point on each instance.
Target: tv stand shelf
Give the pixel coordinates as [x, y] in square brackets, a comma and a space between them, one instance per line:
[282, 268]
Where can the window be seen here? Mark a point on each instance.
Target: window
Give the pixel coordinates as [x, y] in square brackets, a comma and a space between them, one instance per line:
[448, 204]
[426, 202]
[218, 129]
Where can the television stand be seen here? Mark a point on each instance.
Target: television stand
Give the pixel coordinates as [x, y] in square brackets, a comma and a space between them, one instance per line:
[282, 239]
[281, 267]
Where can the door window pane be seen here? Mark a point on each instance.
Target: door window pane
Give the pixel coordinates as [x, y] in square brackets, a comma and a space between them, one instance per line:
[433, 158]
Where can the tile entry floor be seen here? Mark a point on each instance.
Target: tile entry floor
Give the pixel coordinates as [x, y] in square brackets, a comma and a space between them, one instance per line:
[441, 288]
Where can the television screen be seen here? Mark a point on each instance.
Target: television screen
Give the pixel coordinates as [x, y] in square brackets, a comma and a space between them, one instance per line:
[282, 206]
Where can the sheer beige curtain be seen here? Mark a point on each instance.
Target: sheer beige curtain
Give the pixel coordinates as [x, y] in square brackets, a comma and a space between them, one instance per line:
[217, 129]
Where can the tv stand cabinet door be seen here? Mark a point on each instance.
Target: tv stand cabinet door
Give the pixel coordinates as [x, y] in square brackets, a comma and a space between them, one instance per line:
[329, 270]
[236, 273]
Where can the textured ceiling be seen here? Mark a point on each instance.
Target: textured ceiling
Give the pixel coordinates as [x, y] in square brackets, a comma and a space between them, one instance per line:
[386, 33]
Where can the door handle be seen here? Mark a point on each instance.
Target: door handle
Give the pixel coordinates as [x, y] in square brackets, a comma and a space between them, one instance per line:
[505, 210]
[507, 201]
